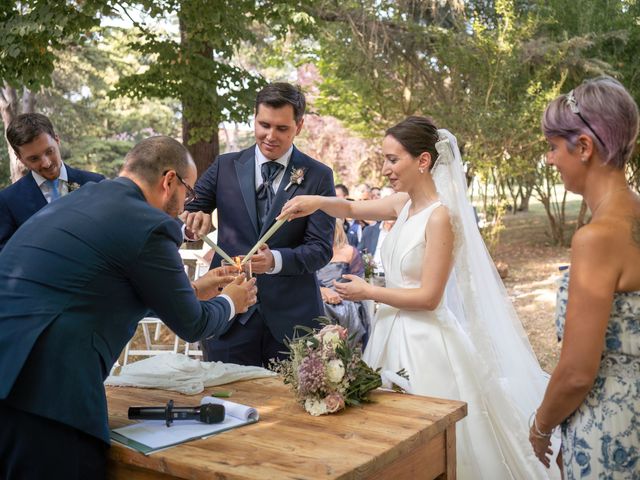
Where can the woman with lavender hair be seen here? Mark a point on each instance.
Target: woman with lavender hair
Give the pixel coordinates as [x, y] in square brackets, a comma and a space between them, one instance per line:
[594, 392]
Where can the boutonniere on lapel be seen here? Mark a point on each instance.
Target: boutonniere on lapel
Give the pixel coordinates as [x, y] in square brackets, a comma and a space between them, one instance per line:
[296, 178]
[73, 186]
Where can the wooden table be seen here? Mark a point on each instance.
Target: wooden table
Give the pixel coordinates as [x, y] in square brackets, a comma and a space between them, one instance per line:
[397, 437]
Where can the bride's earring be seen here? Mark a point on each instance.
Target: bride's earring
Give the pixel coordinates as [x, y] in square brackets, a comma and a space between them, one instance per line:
[421, 170]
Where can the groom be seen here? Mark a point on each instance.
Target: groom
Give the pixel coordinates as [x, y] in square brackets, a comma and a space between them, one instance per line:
[249, 189]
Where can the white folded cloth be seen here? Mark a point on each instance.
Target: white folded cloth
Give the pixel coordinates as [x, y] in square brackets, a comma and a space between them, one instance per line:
[182, 374]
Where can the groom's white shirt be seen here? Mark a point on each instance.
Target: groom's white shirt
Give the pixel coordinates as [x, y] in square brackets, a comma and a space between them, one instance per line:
[284, 161]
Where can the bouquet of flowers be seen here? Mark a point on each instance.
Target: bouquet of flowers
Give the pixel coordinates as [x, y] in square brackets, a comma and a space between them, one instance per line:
[326, 374]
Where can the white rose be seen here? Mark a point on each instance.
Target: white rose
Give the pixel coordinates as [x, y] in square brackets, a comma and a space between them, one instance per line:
[335, 371]
[331, 338]
[315, 407]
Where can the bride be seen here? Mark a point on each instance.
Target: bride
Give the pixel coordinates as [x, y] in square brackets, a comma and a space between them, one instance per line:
[444, 315]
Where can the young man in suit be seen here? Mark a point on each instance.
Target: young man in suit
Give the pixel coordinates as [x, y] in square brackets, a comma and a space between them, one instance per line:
[33, 139]
[76, 279]
[249, 188]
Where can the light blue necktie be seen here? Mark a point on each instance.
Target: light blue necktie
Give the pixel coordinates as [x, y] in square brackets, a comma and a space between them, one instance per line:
[53, 188]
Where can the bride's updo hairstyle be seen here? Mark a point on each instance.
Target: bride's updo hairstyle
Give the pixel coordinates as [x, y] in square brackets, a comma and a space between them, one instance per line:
[416, 135]
[600, 108]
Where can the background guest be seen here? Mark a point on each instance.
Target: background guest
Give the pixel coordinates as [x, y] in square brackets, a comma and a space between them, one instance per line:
[353, 229]
[372, 238]
[37, 146]
[362, 191]
[342, 191]
[594, 392]
[346, 260]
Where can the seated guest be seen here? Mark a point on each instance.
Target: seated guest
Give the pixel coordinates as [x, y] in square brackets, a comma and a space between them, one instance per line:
[37, 146]
[375, 193]
[76, 279]
[346, 260]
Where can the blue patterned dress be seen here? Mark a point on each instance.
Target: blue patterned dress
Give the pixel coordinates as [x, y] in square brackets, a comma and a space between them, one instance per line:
[601, 439]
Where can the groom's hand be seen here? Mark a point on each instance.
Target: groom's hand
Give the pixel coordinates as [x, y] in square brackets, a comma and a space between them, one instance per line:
[262, 261]
[198, 224]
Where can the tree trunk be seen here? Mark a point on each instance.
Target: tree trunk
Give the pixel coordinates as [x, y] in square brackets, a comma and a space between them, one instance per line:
[9, 110]
[524, 201]
[203, 151]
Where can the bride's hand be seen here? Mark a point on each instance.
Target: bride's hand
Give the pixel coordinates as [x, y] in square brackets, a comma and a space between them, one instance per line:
[355, 289]
[300, 206]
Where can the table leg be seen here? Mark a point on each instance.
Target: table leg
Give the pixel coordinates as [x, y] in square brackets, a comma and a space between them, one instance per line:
[450, 454]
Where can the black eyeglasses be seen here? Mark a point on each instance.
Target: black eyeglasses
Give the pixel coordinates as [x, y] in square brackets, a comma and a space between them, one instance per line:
[191, 194]
[573, 106]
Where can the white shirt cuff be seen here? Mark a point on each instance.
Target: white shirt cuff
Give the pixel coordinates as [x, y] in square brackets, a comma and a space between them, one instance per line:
[233, 308]
[277, 263]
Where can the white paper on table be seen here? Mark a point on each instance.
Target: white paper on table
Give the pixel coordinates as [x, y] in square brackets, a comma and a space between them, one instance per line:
[149, 436]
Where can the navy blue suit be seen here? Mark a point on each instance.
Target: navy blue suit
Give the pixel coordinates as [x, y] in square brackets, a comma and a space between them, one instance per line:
[369, 241]
[76, 279]
[352, 229]
[24, 198]
[292, 296]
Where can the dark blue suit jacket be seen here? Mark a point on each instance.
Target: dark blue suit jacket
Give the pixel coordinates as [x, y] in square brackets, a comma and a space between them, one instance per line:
[22, 199]
[352, 232]
[369, 241]
[291, 297]
[76, 279]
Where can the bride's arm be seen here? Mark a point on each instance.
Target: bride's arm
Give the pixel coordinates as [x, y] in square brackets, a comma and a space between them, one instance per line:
[436, 266]
[383, 209]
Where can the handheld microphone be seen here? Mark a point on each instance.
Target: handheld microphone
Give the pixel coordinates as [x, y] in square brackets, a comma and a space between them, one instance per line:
[207, 413]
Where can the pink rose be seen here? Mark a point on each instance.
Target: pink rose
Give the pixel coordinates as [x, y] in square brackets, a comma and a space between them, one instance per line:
[334, 402]
[332, 330]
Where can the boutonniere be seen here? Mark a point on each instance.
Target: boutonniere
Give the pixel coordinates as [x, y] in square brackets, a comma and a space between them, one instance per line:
[296, 178]
[73, 186]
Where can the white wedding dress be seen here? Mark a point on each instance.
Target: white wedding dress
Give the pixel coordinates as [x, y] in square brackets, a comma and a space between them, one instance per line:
[440, 351]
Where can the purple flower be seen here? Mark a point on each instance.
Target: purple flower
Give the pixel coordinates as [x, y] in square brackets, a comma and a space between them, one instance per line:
[311, 375]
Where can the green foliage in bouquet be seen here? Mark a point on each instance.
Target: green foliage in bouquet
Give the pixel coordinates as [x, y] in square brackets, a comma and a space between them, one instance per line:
[326, 374]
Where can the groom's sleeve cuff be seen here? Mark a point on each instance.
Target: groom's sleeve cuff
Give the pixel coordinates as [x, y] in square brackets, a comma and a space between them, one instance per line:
[231, 305]
[277, 263]
[186, 237]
